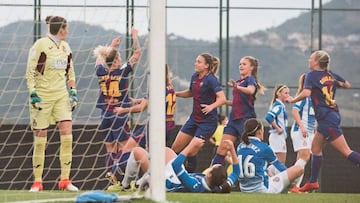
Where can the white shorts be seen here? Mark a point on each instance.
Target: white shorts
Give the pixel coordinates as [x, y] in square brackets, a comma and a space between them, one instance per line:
[278, 183]
[170, 174]
[301, 142]
[277, 142]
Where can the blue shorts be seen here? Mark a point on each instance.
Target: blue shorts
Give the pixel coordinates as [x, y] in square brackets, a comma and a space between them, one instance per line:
[203, 130]
[120, 164]
[115, 128]
[141, 136]
[235, 127]
[330, 126]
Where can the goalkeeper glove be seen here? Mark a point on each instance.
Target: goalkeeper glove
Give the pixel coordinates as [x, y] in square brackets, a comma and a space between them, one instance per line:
[35, 100]
[73, 99]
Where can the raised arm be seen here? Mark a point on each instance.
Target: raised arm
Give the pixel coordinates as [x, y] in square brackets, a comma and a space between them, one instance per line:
[247, 90]
[136, 47]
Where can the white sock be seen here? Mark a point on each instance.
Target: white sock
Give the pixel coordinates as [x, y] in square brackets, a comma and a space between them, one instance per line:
[143, 180]
[300, 162]
[131, 171]
[297, 181]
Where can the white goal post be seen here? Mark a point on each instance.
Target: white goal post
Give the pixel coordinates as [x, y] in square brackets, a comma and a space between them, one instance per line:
[157, 54]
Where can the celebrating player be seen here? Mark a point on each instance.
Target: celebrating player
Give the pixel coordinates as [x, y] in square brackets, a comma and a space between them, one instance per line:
[321, 84]
[207, 96]
[244, 95]
[170, 98]
[113, 83]
[49, 69]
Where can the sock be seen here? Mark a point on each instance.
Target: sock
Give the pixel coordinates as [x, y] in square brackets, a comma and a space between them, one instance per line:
[38, 157]
[300, 162]
[191, 164]
[109, 161]
[131, 171]
[298, 180]
[218, 159]
[316, 162]
[355, 158]
[65, 155]
[143, 182]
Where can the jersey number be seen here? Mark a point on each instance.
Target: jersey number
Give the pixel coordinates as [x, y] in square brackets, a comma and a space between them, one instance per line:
[329, 94]
[247, 169]
[170, 101]
[112, 90]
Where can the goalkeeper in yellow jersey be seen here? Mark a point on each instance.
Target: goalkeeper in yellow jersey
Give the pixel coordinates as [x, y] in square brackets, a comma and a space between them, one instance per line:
[51, 82]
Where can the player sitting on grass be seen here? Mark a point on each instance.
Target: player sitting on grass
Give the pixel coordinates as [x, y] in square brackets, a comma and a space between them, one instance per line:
[254, 156]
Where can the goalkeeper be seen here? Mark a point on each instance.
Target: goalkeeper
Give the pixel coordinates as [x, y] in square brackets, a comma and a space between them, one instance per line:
[51, 82]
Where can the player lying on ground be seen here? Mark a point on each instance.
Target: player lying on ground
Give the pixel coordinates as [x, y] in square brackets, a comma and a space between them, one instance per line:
[177, 178]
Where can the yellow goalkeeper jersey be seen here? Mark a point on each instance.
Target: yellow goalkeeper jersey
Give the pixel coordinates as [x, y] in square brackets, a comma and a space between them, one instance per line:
[49, 67]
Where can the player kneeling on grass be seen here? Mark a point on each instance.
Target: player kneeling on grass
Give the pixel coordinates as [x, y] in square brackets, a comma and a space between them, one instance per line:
[177, 178]
[254, 156]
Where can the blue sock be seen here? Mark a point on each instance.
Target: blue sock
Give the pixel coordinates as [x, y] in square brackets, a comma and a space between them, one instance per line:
[355, 158]
[191, 164]
[109, 161]
[316, 162]
[218, 159]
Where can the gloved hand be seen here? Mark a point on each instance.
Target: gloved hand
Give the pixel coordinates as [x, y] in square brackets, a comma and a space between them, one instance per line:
[73, 99]
[35, 100]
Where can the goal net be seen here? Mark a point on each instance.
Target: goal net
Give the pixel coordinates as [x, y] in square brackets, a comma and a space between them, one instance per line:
[90, 25]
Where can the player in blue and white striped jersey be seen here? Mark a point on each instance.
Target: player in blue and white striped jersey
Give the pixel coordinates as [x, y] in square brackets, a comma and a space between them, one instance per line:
[303, 129]
[277, 117]
[177, 178]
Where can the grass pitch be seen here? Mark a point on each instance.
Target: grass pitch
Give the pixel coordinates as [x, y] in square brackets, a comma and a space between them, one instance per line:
[23, 196]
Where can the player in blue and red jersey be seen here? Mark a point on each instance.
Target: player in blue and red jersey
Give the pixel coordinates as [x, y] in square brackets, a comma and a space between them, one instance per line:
[244, 96]
[321, 84]
[113, 83]
[170, 98]
[207, 97]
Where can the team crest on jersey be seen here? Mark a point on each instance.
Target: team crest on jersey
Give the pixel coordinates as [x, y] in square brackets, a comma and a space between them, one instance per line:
[34, 123]
[304, 143]
[64, 49]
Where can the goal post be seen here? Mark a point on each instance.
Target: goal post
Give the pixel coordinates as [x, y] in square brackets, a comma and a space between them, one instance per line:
[157, 54]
